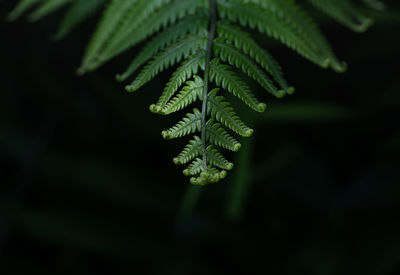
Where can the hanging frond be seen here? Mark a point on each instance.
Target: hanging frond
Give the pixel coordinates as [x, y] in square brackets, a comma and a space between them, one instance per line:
[207, 37]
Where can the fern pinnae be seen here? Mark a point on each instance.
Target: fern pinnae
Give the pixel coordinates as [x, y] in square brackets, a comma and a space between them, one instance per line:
[188, 125]
[249, 14]
[243, 41]
[221, 111]
[194, 168]
[215, 158]
[167, 37]
[234, 57]
[304, 25]
[191, 151]
[185, 71]
[224, 77]
[189, 94]
[218, 136]
[133, 16]
[167, 58]
[168, 15]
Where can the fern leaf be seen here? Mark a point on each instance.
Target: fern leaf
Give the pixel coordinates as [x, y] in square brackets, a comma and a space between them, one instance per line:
[244, 42]
[188, 95]
[221, 110]
[22, 6]
[217, 135]
[78, 12]
[216, 159]
[191, 151]
[171, 35]
[169, 57]
[183, 73]
[224, 77]
[344, 12]
[234, 57]
[251, 15]
[188, 125]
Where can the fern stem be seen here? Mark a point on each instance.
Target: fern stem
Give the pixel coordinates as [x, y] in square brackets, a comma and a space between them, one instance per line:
[211, 36]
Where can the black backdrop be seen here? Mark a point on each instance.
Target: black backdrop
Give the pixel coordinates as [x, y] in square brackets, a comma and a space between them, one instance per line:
[87, 185]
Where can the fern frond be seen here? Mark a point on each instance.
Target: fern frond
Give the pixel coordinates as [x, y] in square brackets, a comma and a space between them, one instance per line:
[167, 58]
[189, 94]
[188, 68]
[77, 13]
[234, 57]
[188, 34]
[191, 151]
[224, 77]
[217, 135]
[243, 41]
[344, 12]
[221, 110]
[188, 125]
[191, 25]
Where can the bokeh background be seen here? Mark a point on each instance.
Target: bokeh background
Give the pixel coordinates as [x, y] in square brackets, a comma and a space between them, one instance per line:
[87, 184]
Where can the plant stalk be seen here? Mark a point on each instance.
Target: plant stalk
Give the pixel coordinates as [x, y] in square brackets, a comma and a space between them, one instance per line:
[211, 36]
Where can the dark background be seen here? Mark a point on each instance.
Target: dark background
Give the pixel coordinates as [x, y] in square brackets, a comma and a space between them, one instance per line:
[87, 185]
